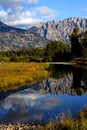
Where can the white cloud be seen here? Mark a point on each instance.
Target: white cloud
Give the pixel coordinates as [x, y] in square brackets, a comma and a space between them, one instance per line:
[33, 1]
[13, 3]
[46, 12]
[85, 9]
[23, 12]
[3, 14]
[21, 19]
[23, 22]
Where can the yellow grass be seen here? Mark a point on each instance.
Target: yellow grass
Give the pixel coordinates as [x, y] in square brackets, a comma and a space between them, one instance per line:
[15, 74]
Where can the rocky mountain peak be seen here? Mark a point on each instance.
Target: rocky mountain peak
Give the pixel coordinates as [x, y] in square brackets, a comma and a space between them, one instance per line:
[59, 29]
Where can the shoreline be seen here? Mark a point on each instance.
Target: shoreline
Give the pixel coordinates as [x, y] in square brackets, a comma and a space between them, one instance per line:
[61, 63]
[20, 126]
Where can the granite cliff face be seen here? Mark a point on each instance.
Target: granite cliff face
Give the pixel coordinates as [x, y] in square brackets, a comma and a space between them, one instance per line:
[59, 30]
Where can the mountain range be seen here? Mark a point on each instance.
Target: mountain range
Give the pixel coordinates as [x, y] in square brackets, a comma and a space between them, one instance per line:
[39, 34]
[16, 38]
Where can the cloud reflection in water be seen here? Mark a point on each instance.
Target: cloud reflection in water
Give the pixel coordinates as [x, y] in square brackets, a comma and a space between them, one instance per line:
[26, 106]
[30, 106]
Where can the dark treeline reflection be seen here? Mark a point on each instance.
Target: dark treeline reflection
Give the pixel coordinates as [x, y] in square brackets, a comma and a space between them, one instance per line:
[79, 75]
[59, 71]
[79, 79]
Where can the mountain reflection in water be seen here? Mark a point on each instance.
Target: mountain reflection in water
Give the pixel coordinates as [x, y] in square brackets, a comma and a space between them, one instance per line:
[64, 92]
[72, 77]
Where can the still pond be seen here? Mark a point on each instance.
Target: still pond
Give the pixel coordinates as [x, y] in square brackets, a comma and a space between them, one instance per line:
[64, 93]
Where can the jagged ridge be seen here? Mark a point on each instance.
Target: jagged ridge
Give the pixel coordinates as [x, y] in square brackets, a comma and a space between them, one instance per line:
[59, 30]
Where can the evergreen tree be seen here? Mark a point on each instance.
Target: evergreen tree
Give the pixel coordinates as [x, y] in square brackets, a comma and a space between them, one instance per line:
[83, 41]
[57, 51]
[75, 44]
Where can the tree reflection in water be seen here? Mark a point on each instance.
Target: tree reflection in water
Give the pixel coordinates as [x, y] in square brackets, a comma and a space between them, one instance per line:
[79, 79]
[79, 75]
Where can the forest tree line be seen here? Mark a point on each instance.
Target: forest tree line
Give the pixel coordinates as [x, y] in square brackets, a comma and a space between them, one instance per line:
[54, 51]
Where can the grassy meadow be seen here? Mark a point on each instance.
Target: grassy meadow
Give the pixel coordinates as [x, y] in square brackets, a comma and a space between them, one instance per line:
[13, 75]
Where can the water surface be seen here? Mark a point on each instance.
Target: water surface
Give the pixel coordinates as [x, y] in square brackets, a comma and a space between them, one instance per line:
[63, 93]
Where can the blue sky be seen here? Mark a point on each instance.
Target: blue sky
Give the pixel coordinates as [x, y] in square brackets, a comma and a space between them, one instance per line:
[24, 13]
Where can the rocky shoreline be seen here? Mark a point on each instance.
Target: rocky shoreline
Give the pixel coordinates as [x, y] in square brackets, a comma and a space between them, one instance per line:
[20, 127]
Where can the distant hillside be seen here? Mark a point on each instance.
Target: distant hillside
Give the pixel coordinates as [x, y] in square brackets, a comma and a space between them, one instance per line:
[15, 38]
[59, 30]
[5, 28]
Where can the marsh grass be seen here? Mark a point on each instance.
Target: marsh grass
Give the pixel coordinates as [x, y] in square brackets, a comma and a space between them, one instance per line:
[68, 123]
[15, 74]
